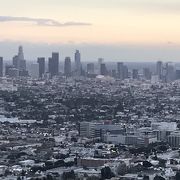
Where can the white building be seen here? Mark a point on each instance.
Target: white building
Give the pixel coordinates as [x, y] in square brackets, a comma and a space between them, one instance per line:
[174, 139]
[87, 129]
[154, 79]
[115, 138]
[34, 70]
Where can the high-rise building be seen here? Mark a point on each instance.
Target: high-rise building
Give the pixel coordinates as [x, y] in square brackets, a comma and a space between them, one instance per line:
[53, 64]
[16, 62]
[21, 61]
[1, 66]
[22, 65]
[67, 67]
[87, 129]
[135, 74]
[177, 74]
[103, 69]
[7, 68]
[23, 73]
[34, 70]
[78, 66]
[159, 69]
[20, 53]
[100, 61]
[113, 73]
[90, 68]
[41, 62]
[13, 72]
[120, 70]
[147, 73]
[125, 72]
[170, 73]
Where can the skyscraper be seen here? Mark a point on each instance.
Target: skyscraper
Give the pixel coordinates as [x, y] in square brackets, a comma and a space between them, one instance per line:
[77, 59]
[159, 69]
[41, 62]
[103, 69]
[170, 72]
[90, 68]
[16, 62]
[20, 53]
[1, 66]
[120, 70]
[177, 74]
[13, 72]
[100, 61]
[125, 72]
[67, 67]
[7, 69]
[34, 70]
[53, 64]
[147, 73]
[21, 61]
[135, 74]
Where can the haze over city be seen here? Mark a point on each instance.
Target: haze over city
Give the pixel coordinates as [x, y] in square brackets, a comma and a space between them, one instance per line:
[126, 30]
[89, 90]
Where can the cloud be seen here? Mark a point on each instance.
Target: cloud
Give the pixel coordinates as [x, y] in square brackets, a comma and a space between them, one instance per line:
[42, 21]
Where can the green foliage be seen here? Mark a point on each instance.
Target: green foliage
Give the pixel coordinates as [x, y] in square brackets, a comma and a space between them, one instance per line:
[106, 173]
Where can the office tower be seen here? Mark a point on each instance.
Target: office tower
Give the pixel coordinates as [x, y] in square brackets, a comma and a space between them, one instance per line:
[53, 64]
[178, 74]
[170, 73]
[34, 70]
[87, 129]
[103, 69]
[147, 73]
[100, 61]
[154, 79]
[1, 66]
[20, 53]
[113, 73]
[50, 68]
[41, 62]
[90, 68]
[13, 72]
[21, 61]
[159, 69]
[16, 62]
[22, 65]
[7, 68]
[125, 72]
[120, 70]
[77, 59]
[23, 73]
[135, 74]
[67, 67]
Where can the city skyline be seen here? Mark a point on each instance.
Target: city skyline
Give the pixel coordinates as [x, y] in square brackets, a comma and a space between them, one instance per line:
[115, 30]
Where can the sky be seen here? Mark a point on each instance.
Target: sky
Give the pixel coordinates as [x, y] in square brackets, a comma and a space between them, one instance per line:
[128, 30]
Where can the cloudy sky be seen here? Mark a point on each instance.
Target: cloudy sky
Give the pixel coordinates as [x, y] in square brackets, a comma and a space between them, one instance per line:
[126, 30]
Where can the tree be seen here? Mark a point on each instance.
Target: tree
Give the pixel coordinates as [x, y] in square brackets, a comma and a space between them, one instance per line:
[146, 177]
[122, 169]
[106, 173]
[93, 178]
[49, 177]
[162, 163]
[147, 164]
[177, 177]
[68, 175]
[159, 178]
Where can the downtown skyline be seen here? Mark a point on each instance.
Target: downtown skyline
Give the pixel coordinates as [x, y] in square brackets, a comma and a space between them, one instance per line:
[139, 30]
